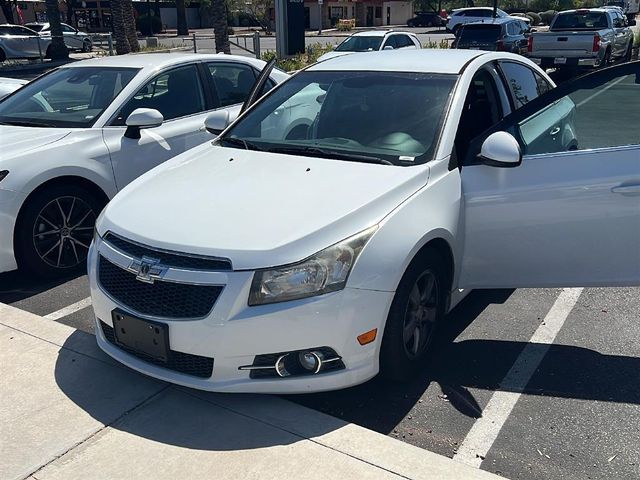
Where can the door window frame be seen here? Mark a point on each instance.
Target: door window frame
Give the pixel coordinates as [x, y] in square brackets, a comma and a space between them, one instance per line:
[594, 80]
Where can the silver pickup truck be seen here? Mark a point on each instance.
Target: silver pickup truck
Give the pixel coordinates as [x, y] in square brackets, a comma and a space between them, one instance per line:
[583, 38]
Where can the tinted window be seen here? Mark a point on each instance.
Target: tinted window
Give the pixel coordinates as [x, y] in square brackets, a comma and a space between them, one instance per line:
[232, 82]
[572, 119]
[392, 41]
[580, 20]
[67, 29]
[521, 81]
[403, 41]
[543, 85]
[480, 33]
[68, 97]
[175, 93]
[481, 13]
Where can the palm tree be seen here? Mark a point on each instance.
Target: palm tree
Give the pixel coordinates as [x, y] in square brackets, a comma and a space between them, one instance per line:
[130, 26]
[220, 26]
[181, 12]
[57, 50]
[119, 28]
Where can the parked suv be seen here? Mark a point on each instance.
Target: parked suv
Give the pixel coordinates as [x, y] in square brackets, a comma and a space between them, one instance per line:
[474, 14]
[504, 34]
[425, 19]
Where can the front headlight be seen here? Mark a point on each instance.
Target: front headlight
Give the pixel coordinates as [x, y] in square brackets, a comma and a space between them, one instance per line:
[324, 272]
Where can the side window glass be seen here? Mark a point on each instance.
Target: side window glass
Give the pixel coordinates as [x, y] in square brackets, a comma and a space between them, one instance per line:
[233, 82]
[176, 93]
[521, 83]
[391, 42]
[543, 85]
[568, 124]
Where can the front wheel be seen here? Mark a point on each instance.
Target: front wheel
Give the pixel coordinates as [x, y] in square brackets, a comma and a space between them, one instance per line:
[416, 311]
[55, 229]
[629, 53]
[86, 46]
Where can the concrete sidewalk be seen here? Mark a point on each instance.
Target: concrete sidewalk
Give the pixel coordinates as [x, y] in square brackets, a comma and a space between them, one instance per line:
[68, 411]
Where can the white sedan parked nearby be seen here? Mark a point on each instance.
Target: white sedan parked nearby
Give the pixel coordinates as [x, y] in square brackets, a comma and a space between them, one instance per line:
[75, 136]
[374, 40]
[324, 234]
[74, 39]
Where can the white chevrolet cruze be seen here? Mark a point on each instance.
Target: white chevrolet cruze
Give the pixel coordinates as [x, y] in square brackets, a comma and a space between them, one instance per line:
[323, 236]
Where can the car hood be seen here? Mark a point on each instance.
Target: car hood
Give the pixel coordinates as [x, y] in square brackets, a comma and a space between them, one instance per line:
[257, 209]
[17, 140]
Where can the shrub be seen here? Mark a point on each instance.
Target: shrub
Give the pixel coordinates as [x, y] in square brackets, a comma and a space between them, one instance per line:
[433, 44]
[547, 17]
[344, 27]
[301, 60]
[535, 18]
[142, 24]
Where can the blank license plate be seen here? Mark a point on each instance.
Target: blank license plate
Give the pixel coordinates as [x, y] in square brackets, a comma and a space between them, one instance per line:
[560, 61]
[142, 336]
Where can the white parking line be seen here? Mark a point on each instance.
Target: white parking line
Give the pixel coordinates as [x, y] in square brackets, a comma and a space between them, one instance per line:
[68, 310]
[485, 430]
[599, 92]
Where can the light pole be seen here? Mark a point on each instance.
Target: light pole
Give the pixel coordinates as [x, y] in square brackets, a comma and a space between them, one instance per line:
[320, 17]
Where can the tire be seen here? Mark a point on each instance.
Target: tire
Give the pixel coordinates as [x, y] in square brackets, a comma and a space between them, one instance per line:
[606, 61]
[86, 46]
[54, 230]
[629, 53]
[411, 24]
[403, 351]
[48, 52]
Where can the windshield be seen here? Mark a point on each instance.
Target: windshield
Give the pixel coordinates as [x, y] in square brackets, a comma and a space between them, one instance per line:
[68, 97]
[373, 117]
[580, 21]
[359, 44]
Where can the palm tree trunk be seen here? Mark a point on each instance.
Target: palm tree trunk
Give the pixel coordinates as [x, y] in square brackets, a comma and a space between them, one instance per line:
[181, 12]
[220, 26]
[57, 50]
[119, 30]
[7, 10]
[130, 26]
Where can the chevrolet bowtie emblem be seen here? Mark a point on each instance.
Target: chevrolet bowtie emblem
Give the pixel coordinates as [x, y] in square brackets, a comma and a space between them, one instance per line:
[147, 269]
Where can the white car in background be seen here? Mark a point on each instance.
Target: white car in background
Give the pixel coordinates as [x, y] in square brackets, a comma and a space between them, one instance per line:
[460, 16]
[18, 42]
[10, 85]
[321, 238]
[374, 40]
[74, 39]
[75, 136]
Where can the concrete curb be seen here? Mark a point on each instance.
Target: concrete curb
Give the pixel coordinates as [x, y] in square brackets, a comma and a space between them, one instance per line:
[68, 409]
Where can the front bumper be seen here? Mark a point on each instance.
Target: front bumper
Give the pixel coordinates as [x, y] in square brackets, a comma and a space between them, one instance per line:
[234, 333]
[10, 203]
[551, 62]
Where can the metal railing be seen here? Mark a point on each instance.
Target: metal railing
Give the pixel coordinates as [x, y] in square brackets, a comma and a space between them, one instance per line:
[253, 47]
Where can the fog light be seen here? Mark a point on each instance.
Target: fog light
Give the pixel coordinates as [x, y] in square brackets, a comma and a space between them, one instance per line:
[310, 361]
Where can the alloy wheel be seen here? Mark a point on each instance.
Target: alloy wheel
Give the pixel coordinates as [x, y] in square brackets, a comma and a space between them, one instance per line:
[421, 314]
[63, 230]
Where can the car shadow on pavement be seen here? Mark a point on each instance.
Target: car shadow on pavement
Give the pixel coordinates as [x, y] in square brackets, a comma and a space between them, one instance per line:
[18, 285]
[126, 401]
[566, 371]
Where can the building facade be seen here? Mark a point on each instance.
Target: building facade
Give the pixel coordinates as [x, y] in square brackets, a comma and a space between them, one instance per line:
[366, 13]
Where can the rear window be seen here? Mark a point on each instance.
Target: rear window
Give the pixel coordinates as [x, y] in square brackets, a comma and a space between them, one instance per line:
[35, 28]
[580, 21]
[480, 33]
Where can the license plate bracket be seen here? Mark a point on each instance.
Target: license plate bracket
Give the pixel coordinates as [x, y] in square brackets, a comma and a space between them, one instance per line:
[142, 336]
[560, 61]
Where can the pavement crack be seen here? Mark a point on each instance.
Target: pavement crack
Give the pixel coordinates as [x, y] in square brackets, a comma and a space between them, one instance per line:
[141, 404]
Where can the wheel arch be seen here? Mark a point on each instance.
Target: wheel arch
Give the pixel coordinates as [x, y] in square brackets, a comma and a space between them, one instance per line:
[77, 181]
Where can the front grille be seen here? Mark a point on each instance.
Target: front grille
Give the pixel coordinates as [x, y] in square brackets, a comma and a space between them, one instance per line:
[168, 259]
[178, 361]
[158, 299]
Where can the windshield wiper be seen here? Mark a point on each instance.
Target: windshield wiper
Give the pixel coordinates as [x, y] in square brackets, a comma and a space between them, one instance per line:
[20, 123]
[238, 142]
[324, 153]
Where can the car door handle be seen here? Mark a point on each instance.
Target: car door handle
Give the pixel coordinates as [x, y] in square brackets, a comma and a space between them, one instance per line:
[628, 190]
[555, 131]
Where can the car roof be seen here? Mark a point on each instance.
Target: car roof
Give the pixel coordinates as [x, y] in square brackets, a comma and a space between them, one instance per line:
[473, 8]
[601, 10]
[156, 61]
[497, 21]
[409, 60]
[372, 33]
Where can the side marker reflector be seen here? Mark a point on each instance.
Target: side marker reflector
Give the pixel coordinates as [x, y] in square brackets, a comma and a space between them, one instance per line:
[367, 337]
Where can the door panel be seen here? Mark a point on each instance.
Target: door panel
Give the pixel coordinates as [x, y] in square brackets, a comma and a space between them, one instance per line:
[569, 215]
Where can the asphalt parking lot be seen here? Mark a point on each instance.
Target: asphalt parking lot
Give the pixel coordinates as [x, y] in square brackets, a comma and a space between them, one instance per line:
[529, 384]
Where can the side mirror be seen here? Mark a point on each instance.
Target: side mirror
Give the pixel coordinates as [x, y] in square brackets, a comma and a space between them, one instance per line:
[217, 122]
[142, 118]
[500, 149]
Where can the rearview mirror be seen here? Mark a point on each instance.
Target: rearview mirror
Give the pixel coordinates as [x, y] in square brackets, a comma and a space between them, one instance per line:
[217, 122]
[142, 118]
[500, 149]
